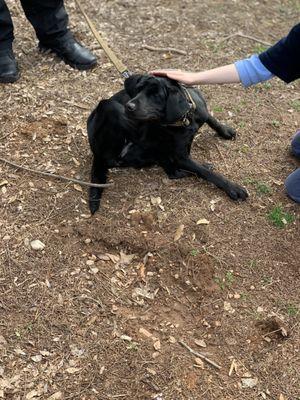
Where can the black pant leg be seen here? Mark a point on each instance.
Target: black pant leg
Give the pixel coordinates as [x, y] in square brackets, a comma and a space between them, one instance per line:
[6, 27]
[48, 18]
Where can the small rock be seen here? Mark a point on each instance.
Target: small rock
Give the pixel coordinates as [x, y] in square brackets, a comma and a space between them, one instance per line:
[37, 358]
[228, 307]
[126, 338]
[249, 382]
[37, 245]
[157, 345]
[172, 339]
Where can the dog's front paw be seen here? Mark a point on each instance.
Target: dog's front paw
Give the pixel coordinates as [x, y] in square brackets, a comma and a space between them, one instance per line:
[237, 192]
[227, 133]
[94, 206]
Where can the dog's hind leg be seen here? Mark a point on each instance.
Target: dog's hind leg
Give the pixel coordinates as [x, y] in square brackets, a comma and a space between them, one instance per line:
[222, 130]
[98, 175]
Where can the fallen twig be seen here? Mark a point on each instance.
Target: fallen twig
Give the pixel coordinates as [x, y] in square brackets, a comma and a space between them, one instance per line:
[244, 36]
[221, 155]
[54, 176]
[200, 355]
[82, 106]
[163, 49]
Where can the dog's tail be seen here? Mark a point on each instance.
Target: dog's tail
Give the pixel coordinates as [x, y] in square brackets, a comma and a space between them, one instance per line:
[98, 175]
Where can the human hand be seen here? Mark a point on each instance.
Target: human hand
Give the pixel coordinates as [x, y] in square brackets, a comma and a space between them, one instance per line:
[188, 78]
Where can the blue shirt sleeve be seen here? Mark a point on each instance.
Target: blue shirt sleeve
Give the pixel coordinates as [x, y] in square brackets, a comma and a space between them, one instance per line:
[251, 71]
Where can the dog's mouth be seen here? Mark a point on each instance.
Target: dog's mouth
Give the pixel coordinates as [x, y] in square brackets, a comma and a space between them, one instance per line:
[142, 117]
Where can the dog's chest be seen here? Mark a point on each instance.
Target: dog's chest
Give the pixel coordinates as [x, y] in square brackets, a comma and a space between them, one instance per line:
[125, 150]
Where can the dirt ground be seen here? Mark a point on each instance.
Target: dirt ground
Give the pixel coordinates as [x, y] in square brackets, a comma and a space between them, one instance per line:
[102, 310]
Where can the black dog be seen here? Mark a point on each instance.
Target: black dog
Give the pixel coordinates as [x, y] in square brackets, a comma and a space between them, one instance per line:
[152, 122]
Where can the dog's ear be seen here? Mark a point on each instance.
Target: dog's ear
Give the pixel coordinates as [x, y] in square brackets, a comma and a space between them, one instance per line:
[130, 84]
[177, 104]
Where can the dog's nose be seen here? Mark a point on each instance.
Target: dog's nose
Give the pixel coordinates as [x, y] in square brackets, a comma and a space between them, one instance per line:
[130, 106]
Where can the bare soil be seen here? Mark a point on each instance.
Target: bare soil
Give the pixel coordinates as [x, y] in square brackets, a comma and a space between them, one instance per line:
[99, 312]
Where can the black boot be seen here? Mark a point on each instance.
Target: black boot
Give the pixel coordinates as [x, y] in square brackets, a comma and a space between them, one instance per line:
[9, 71]
[71, 52]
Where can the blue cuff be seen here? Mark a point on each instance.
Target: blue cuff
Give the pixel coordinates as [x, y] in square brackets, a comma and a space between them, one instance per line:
[251, 71]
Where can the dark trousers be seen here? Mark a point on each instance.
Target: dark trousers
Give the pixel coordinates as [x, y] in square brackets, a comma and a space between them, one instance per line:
[48, 18]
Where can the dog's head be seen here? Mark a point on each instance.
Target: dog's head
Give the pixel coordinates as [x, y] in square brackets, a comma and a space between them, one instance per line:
[156, 99]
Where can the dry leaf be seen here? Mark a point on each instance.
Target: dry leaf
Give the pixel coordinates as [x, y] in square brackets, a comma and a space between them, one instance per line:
[202, 221]
[157, 345]
[125, 259]
[32, 394]
[199, 363]
[200, 342]
[77, 187]
[179, 232]
[114, 258]
[56, 396]
[3, 183]
[144, 332]
[72, 370]
[126, 338]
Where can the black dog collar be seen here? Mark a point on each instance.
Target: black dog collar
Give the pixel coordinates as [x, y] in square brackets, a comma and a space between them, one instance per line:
[185, 119]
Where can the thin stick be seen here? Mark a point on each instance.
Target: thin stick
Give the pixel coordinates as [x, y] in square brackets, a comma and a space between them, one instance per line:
[163, 49]
[54, 176]
[246, 37]
[221, 155]
[200, 355]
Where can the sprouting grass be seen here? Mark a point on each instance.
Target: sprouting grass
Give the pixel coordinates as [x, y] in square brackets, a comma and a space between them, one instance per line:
[275, 123]
[253, 264]
[292, 310]
[261, 187]
[259, 48]
[279, 217]
[218, 109]
[225, 282]
[296, 105]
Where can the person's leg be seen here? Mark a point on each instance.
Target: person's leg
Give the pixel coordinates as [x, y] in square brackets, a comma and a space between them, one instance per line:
[8, 66]
[6, 27]
[48, 18]
[292, 185]
[292, 182]
[50, 22]
[295, 145]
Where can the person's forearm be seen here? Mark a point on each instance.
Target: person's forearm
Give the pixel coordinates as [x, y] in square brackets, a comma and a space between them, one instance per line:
[224, 74]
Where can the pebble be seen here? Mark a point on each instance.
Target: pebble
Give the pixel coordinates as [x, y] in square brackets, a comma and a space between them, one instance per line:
[37, 245]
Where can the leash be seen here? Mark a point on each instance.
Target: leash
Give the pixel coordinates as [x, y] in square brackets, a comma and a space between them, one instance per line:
[121, 68]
